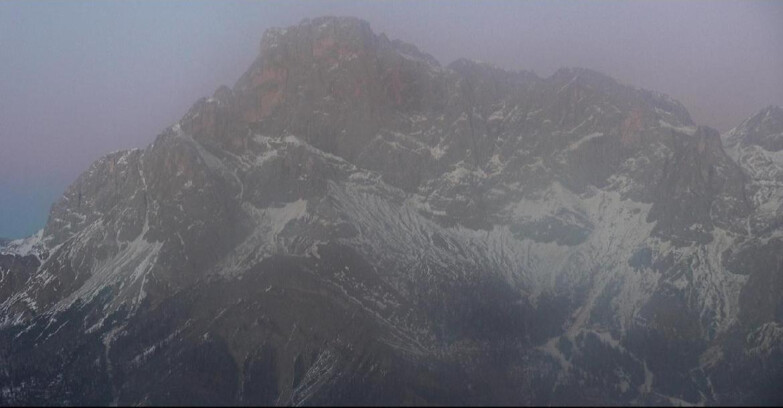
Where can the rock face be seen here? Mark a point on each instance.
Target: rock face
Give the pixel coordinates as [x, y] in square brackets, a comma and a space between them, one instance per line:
[352, 223]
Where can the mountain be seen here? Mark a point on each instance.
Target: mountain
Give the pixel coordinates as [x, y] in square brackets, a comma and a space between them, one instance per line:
[353, 223]
[757, 145]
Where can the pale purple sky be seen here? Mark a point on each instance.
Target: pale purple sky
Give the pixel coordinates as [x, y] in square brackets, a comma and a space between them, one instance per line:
[80, 79]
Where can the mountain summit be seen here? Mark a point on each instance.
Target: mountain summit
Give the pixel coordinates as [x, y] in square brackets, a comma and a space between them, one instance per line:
[353, 223]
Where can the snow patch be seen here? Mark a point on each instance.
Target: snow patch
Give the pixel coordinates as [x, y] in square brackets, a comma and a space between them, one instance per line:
[32, 245]
[575, 145]
[688, 130]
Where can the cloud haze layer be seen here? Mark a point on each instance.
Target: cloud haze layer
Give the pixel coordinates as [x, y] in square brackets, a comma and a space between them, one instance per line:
[80, 79]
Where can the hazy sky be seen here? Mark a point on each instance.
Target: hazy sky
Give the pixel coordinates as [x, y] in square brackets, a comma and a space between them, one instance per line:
[80, 79]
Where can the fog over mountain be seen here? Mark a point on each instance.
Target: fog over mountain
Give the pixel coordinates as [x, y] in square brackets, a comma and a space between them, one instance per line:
[81, 79]
[354, 222]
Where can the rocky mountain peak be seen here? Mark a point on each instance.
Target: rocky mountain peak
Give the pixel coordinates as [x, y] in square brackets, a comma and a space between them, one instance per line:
[328, 39]
[764, 129]
[333, 82]
[585, 76]
[757, 145]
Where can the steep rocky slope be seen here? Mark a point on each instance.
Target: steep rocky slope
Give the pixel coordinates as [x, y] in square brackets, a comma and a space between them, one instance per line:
[354, 223]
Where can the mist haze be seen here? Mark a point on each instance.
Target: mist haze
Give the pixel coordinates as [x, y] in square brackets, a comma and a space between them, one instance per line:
[81, 79]
[391, 204]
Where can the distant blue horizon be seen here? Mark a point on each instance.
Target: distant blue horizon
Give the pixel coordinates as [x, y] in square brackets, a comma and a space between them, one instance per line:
[25, 210]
